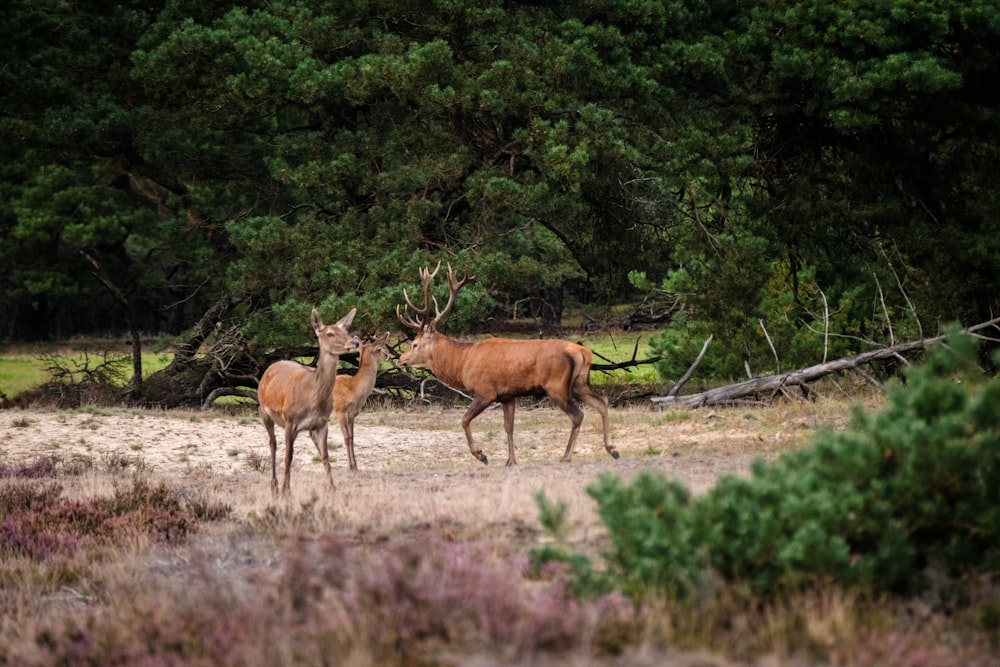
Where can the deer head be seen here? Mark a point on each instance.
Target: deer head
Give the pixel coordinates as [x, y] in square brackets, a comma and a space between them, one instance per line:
[421, 352]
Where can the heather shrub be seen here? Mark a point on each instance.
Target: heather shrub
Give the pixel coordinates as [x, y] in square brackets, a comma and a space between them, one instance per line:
[159, 627]
[158, 510]
[37, 522]
[22, 497]
[422, 594]
[910, 490]
[42, 467]
[46, 467]
[405, 602]
[23, 537]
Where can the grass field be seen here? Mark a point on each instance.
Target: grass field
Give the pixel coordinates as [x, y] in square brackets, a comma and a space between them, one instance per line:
[21, 370]
[24, 367]
[145, 537]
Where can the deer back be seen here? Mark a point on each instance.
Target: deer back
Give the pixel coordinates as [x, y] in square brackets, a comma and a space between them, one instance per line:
[508, 367]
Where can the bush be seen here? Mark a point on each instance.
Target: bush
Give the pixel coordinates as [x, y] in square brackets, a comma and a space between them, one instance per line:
[415, 600]
[907, 491]
[38, 523]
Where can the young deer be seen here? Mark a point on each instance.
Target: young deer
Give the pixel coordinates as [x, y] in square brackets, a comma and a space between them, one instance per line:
[501, 369]
[351, 391]
[300, 398]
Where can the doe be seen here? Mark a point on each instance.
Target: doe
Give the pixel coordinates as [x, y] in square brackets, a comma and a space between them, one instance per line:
[351, 391]
[299, 398]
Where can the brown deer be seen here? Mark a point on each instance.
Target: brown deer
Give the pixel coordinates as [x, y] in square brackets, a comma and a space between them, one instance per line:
[351, 391]
[300, 398]
[502, 369]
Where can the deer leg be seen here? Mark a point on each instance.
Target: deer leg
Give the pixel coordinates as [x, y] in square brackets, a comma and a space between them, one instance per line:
[272, 443]
[290, 434]
[347, 431]
[319, 436]
[478, 405]
[600, 404]
[576, 415]
[508, 426]
[349, 443]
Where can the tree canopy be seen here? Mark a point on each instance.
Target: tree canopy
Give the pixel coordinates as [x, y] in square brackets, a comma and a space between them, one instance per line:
[782, 166]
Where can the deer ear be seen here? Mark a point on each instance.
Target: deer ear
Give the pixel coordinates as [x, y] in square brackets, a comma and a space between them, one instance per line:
[317, 323]
[346, 320]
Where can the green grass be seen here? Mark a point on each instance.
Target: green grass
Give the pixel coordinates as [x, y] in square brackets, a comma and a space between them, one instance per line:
[21, 372]
[22, 369]
[619, 349]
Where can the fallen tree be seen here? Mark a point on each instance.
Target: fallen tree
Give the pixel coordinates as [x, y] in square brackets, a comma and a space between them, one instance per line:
[765, 388]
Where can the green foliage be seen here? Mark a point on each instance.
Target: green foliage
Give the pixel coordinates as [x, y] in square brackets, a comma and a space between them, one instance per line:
[652, 534]
[852, 103]
[584, 580]
[902, 492]
[783, 318]
[751, 158]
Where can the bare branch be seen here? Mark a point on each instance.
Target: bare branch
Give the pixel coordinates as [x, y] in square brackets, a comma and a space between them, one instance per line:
[777, 362]
[771, 383]
[690, 371]
[885, 310]
[227, 391]
[826, 326]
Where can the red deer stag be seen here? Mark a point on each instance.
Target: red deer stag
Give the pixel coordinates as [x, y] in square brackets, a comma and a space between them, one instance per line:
[502, 369]
[300, 398]
[351, 391]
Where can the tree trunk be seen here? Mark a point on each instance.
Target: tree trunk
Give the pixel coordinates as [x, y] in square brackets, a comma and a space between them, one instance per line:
[552, 306]
[194, 373]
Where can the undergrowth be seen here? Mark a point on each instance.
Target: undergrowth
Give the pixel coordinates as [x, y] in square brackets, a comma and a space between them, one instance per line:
[876, 545]
[902, 505]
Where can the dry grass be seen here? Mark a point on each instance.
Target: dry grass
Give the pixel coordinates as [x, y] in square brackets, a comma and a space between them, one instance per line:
[418, 558]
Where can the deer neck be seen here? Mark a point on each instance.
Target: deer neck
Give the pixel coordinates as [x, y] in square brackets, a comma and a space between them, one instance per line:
[448, 359]
[367, 370]
[326, 376]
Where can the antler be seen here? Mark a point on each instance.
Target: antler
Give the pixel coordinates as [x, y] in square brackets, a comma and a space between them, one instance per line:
[421, 314]
[453, 287]
[422, 319]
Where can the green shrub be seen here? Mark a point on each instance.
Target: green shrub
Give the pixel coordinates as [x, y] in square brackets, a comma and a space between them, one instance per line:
[909, 490]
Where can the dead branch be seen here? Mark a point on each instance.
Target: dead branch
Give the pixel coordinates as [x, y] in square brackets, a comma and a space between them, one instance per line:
[205, 326]
[631, 363]
[777, 361]
[228, 391]
[772, 384]
[690, 371]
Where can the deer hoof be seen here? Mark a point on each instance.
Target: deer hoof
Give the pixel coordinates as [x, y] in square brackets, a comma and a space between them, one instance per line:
[614, 454]
[482, 457]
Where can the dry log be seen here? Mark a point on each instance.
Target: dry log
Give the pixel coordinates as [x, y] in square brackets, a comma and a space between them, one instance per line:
[772, 384]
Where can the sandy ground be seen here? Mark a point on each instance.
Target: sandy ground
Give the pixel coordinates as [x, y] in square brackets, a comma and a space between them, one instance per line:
[414, 465]
[695, 448]
[417, 479]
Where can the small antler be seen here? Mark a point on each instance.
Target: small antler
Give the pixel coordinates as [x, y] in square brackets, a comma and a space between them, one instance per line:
[421, 319]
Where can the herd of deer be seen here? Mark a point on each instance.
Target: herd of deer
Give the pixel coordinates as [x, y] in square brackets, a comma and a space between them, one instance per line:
[302, 398]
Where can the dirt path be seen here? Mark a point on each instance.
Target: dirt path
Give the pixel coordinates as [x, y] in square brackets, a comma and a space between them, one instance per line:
[695, 447]
[415, 467]
[417, 480]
